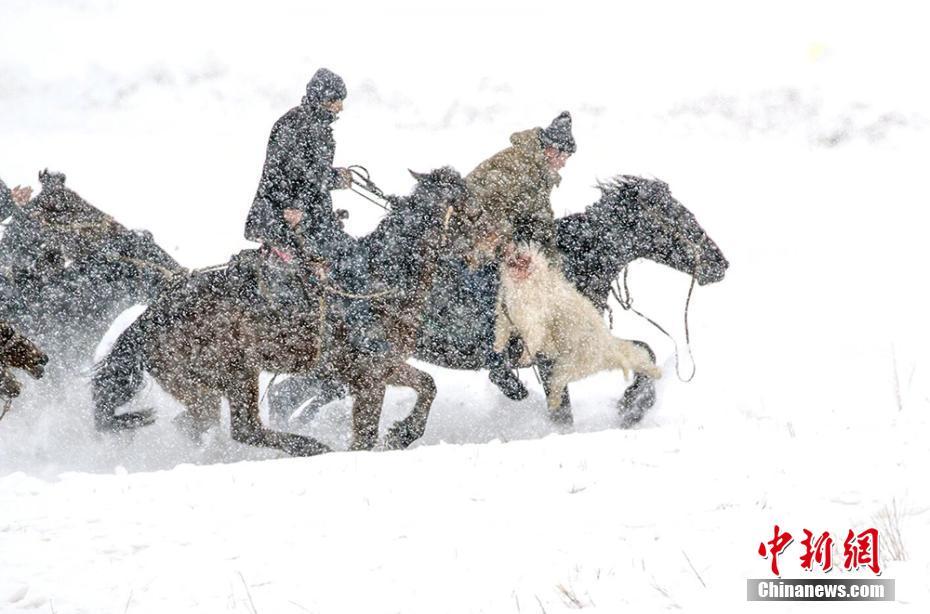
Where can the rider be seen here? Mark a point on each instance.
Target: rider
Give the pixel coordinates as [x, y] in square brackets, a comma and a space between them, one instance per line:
[512, 188]
[292, 213]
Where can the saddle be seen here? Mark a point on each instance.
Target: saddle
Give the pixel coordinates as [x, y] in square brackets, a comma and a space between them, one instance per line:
[281, 288]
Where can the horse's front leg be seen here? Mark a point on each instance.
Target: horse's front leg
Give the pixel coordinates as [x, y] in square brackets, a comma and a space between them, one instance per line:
[366, 414]
[639, 396]
[247, 427]
[559, 403]
[405, 432]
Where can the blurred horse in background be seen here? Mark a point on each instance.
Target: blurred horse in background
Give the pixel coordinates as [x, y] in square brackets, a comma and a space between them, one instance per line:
[67, 270]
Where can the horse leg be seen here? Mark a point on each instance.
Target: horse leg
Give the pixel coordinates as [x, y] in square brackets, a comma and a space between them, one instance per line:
[247, 426]
[202, 410]
[639, 396]
[405, 432]
[366, 415]
[560, 405]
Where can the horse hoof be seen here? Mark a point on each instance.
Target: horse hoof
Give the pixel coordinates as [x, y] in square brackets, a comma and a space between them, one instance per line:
[312, 448]
[508, 383]
[128, 421]
[636, 401]
[190, 427]
[562, 416]
[400, 436]
[362, 445]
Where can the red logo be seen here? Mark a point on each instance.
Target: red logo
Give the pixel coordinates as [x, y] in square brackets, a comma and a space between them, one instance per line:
[859, 550]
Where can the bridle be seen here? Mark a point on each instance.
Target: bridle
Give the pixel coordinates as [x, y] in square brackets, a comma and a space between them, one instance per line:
[362, 178]
[625, 299]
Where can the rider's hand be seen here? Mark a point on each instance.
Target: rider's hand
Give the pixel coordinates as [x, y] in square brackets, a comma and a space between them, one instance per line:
[21, 195]
[345, 178]
[293, 216]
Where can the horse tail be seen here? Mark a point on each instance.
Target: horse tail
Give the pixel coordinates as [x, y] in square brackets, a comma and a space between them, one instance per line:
[118, 377]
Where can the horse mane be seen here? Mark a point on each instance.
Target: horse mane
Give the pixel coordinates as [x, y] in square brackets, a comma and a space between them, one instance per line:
[597, 243]
[622, 191]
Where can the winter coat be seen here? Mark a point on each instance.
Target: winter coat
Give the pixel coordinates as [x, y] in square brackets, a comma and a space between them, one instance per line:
[298, 174]
[513, 185]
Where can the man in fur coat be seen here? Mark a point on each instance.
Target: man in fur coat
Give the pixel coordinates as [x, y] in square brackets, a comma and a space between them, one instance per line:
[514, 186]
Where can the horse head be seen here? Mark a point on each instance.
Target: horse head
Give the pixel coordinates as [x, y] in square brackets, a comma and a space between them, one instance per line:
[20, 353]
[438, 194]
[151, 267]
[662, 229]
[408, 239]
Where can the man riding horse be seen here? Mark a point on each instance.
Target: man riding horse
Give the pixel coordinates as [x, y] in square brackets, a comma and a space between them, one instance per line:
[67, 268]
[512, 188]
[292, 213]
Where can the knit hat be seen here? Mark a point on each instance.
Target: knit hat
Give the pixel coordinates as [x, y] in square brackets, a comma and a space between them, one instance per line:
[559, 134]
[325, 86]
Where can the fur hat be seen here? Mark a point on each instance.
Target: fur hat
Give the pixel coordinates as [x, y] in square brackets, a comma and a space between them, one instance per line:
[559, 134]
[325, 86]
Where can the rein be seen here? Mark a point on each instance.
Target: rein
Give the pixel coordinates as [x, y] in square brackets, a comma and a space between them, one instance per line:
[625, 299]
[361, 177]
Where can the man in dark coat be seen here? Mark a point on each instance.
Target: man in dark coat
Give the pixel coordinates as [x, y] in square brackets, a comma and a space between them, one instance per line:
[292, 213]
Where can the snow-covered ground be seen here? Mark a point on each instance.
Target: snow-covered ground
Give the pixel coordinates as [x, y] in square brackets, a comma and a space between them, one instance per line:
[797, 134]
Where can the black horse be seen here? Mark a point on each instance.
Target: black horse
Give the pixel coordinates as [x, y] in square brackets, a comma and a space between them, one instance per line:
[634, 218]
[67, 270]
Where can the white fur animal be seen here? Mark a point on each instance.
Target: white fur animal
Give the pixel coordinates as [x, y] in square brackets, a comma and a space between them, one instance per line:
[554, 319]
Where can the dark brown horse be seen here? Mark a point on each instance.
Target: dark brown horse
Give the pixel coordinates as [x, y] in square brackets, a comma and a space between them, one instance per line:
[209, 336]
[17, 352]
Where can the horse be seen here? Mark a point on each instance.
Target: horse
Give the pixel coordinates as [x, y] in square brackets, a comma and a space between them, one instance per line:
[634, 217]
[67, 270]
[211, 335]
[17, 352]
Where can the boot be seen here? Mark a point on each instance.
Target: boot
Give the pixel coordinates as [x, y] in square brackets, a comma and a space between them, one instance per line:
[505, 378]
